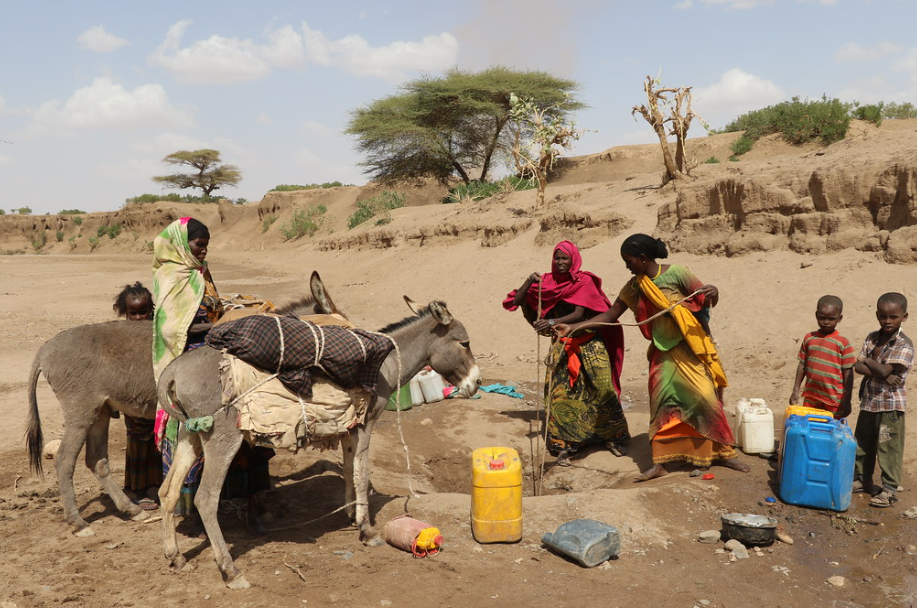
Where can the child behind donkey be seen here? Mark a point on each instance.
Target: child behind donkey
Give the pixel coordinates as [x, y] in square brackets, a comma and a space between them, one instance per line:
[143, 464]
[826, 362]
[884, 361]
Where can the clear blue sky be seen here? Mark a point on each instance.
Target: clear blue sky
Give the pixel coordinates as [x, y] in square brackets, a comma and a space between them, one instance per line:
[93, 94]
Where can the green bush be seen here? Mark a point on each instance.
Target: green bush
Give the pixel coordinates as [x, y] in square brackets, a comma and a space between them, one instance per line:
[267, 223]
[293, 187]
[71, 212]
[899, 111]
[22, 210]
[78, 220]
[39, 239]
[477, 190]
[712, 161]
[733, 159]
[112, 230]
[72, 242]
[172, 197]
[380, 204]
[304, 222]
[60, 236]
[93, 243]
[870, 113]
[825, 120]
[2, 212]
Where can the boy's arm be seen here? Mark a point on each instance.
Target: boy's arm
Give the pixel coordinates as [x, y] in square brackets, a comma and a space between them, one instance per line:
[797, 383]
[845, 408]
[874, 368]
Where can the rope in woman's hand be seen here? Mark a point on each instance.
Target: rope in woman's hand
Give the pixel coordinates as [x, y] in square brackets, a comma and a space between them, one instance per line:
[587, 324]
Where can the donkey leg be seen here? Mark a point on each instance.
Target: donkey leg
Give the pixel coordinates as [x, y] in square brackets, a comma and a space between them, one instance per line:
[220, 446]
[97, 462]
[348, 445]
[65, 463]
[186, 452]
[368, 534]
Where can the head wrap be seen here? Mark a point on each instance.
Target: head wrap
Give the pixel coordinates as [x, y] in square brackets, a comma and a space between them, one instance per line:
[643, 244]
[197, 230]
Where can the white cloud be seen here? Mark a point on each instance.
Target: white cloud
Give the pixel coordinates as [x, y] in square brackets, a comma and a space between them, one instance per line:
[316, 129]
[105, 105]
[98, 40]
[264, 119]
[318, 168]
[219, 60]
[685, 5]
[392, 62]
[737, 92]
[5, 160]
[853, 52]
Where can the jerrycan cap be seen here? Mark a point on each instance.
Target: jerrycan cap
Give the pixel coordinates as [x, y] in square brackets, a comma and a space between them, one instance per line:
[496, 464]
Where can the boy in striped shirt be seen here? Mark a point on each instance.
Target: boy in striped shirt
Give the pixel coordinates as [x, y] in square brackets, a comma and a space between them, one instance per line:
[826, 361]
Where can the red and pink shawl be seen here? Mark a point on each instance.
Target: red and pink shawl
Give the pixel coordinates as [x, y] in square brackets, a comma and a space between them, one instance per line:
[579, 288]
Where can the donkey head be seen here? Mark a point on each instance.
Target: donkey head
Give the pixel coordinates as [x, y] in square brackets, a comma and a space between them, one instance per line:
[450, 352]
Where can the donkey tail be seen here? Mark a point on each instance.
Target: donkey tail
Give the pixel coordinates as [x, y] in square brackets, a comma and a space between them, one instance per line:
[34, 438]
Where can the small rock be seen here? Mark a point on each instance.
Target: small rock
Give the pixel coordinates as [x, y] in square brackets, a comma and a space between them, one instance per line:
[720, 551]
[758, 551]
[478, 549]
[277, 572]
[910, 513]
[385, 602]
[8, 605]
[426, 422]
[837, 581]
[703, 602]
[113, 545]
[784, 537]
[606, 565]
[911, 550]
[696, 473]
[340, 552]
[740, 552]
[207, 597]
[732, 544]
[50, 449]
[709, 537]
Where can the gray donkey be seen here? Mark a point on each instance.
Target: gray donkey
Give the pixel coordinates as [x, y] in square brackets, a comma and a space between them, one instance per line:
[98, 369]
[190, 387]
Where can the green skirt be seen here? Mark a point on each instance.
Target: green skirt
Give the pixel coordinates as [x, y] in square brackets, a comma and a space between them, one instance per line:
[588, 412]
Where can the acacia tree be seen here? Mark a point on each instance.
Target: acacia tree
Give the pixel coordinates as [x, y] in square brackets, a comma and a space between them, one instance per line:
[679, 121]
[210, 174]
[452, 125]
[537, 134]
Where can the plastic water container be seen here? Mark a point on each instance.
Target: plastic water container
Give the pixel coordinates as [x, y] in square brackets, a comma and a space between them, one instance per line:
[432, 385]
[400, 400]
[496, 495]
[418, 537]
[757, 430]
[817, 465]
[742, 406]
[586, 541]
[416, 392]
[802, 410]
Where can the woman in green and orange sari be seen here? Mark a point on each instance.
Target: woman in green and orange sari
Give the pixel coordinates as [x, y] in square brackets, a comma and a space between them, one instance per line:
[686, 380]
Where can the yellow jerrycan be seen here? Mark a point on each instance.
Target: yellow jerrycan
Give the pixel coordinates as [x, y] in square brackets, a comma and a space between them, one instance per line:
[496, 495]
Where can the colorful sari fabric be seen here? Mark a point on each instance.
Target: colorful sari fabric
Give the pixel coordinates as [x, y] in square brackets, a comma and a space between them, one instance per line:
[584, 410]
[687, 422]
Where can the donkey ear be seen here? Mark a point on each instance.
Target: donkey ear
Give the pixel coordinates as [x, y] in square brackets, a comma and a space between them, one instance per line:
[414, 306]
[440, 313]
[322, 299]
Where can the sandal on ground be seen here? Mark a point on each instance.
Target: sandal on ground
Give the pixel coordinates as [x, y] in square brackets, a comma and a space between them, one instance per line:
[858, 486]
[148, 504]
[618, 449]
[563, 458]
[883, 499]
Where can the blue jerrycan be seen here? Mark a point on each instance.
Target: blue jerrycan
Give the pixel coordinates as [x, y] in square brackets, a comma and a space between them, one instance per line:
[816, 469]
[586, 541]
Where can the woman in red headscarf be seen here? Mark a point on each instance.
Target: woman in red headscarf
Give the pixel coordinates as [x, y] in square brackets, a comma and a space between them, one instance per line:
[584, 381]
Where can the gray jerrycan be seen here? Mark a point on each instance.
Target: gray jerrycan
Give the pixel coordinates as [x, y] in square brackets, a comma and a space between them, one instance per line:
[586, 541]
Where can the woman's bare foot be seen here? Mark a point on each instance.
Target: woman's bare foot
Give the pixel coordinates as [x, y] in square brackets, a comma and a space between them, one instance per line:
[563, 459]
[616, 448]
[656, 471]
[736, 465]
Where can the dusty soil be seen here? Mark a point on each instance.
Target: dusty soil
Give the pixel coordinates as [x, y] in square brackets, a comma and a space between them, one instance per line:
[470, 255]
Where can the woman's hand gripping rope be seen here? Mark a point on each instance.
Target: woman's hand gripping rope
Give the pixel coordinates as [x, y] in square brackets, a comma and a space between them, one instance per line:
[712, 294]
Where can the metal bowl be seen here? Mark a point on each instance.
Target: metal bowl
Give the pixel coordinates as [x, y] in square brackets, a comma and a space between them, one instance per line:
[750, 529]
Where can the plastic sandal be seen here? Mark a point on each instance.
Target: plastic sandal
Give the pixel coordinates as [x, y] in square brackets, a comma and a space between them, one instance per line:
[147, 504]
[883, 499]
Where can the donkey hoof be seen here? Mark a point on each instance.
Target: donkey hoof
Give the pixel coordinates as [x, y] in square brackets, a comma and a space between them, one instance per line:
[374, 541]
[238, 583]
[178, 563]
[85, 532]
[142, 515]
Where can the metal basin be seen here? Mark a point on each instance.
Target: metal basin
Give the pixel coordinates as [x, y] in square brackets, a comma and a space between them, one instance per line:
[749, 529]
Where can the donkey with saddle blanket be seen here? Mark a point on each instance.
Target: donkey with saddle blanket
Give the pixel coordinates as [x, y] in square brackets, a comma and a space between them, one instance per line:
[188, 389]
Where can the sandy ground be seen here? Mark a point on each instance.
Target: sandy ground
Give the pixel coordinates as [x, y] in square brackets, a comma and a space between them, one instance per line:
[470, 255]
[766, 307]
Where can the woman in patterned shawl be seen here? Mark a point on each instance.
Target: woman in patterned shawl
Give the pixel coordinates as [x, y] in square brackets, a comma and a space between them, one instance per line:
[584, 382]
[187, 304]
[686, 380]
